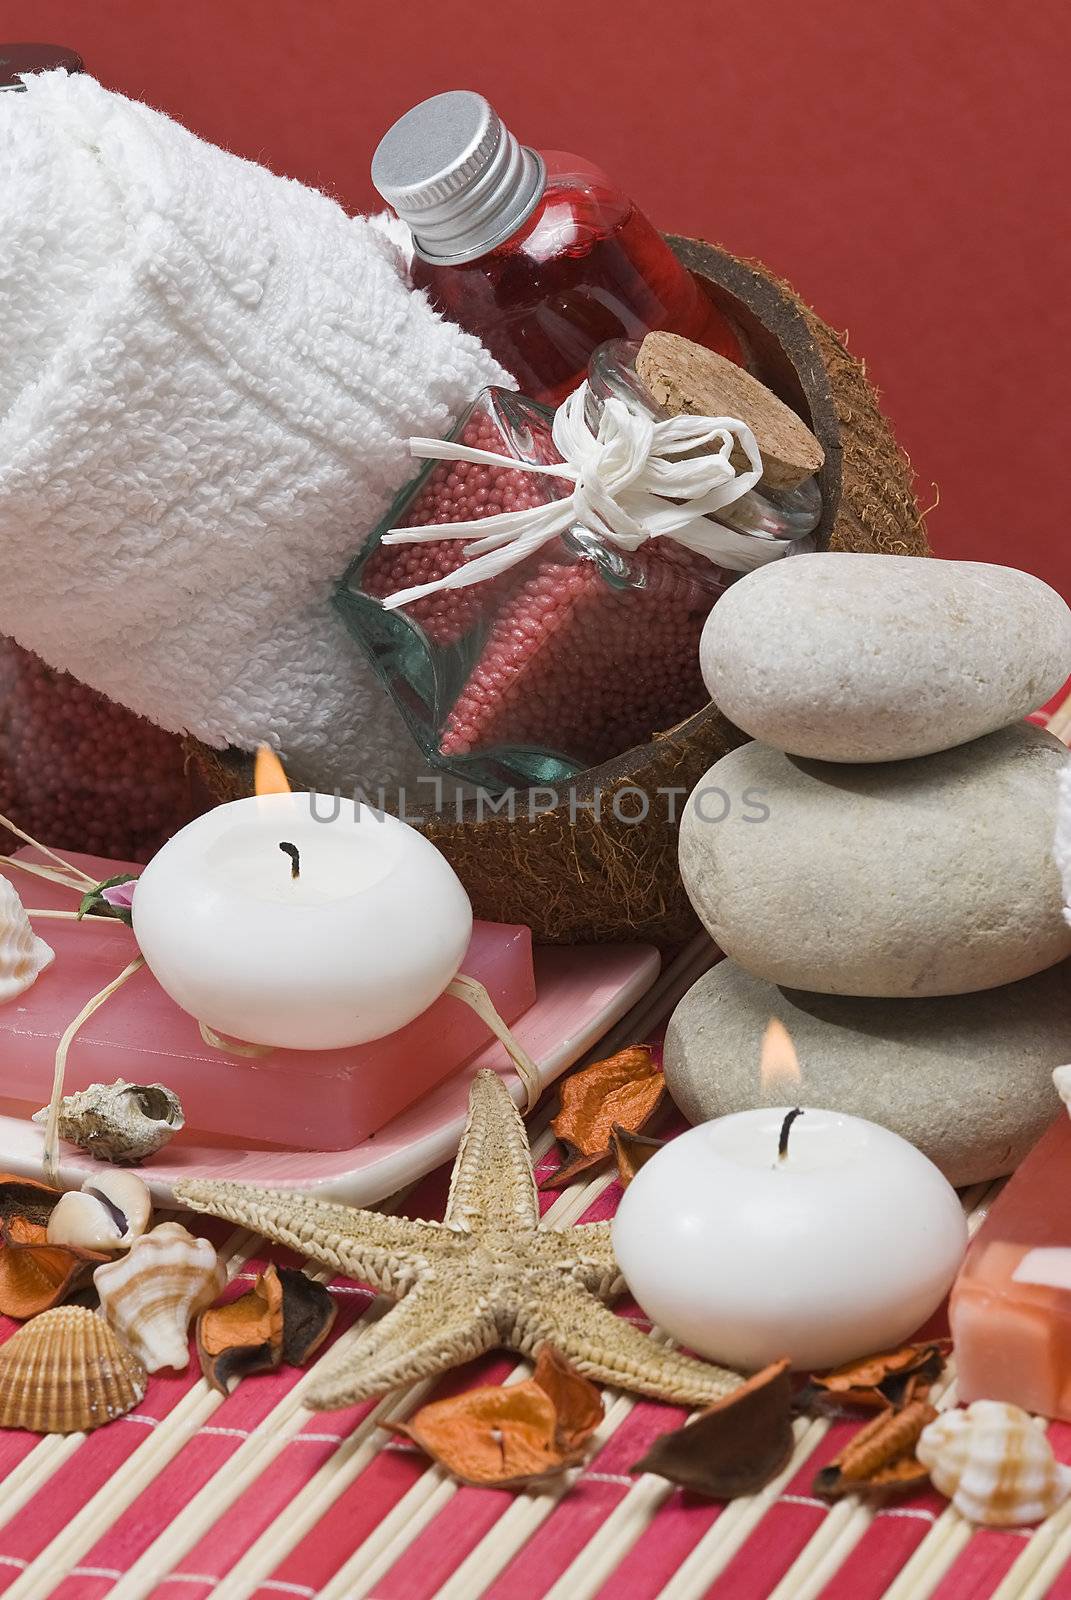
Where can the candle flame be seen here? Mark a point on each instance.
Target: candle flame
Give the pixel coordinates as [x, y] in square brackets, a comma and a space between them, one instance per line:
[779, 1065]
[268, 774]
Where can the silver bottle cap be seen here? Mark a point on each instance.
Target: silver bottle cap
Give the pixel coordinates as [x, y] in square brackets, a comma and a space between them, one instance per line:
[453, 171]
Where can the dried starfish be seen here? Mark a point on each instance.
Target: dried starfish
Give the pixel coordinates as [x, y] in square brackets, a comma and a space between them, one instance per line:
[490, 1275]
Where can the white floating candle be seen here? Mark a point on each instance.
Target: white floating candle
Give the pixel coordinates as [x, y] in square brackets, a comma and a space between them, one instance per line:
[301, 921]
[841, 1247]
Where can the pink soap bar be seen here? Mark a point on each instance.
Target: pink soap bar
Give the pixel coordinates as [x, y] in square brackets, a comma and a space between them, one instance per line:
[1010, 1313]
[311, 1099]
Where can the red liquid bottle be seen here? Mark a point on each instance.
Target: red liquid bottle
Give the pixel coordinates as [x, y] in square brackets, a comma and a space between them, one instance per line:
[539, 256]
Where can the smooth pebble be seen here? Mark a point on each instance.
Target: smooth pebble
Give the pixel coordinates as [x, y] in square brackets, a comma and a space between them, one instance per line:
[925, 877]
[851, 657]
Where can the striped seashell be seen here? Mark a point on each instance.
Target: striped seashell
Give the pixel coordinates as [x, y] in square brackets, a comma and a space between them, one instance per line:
[995, 1464]
[67, 1372]
[23, 956]
[151, 1294]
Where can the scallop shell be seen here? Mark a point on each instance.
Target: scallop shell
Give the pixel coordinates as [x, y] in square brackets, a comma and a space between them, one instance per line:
[995, 1464]
[23, 956]
[67, 1372]
[151, 1294]
[120, 1121]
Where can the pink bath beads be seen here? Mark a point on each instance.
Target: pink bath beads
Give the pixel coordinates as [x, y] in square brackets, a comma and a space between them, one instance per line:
[454, 491]
[575, 665]
[78, 771]
[577, 651]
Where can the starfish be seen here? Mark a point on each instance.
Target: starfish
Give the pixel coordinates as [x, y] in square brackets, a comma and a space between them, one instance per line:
[490, 1275]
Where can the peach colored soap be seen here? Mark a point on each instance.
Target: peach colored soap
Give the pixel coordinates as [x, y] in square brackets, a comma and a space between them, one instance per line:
[312, 1099]
[1010, 1312]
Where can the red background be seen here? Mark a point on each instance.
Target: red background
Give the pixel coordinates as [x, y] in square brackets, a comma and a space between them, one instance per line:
[904, 164]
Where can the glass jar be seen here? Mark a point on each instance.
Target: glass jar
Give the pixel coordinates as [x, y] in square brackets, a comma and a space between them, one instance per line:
[576, 653]
[788, 516]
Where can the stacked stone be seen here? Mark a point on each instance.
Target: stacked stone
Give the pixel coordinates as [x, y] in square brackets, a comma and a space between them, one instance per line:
[877, 866]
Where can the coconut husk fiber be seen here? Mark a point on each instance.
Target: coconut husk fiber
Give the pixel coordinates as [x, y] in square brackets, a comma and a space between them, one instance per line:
[576, 873]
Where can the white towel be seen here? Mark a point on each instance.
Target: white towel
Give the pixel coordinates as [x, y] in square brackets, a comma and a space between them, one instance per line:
[208, 375]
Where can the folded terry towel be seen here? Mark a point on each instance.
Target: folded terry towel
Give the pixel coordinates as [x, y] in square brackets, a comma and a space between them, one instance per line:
[208, 375]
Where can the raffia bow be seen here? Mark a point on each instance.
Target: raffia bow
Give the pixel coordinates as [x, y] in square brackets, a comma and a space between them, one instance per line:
[635, 479]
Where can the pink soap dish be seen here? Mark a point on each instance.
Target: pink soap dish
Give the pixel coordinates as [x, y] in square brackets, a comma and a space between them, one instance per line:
[319, 1099]
[366, 1129]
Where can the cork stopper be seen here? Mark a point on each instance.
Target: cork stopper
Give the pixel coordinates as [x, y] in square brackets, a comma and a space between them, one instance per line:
[688, 380]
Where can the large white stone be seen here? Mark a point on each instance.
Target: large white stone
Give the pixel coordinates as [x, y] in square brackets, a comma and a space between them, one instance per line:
[924, 877]
[843, 657]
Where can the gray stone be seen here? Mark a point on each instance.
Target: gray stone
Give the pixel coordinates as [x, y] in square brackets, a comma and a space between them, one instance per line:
[912, 878]
[841, 657]
[966, 1079]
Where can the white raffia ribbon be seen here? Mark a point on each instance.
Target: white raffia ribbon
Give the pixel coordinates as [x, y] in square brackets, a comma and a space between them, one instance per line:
[636, 479]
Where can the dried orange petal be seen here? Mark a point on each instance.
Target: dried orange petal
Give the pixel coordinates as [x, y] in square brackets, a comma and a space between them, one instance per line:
[36, 1275]
[880, 1458]
[243, 1335]
[625, 1089]
[889, 1379]
[512, 1435]
[577, 1402]
[631, 1151]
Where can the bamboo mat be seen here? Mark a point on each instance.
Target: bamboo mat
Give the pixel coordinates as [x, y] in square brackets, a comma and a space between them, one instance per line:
[254, 1497]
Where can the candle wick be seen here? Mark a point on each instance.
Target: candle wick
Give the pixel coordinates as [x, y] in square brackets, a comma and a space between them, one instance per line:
[786, 1129]
[294, 853]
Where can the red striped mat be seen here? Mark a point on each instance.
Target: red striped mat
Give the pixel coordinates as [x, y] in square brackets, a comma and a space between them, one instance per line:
[194, 1496]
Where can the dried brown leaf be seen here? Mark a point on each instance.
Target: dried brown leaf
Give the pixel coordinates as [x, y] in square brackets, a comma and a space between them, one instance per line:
[25, 1197]
[36, 1275]
[880, 1459]
[513, 1435]
[624, 1089]
[308, 1314]
[733, 1447]
[890, 1380]
[631, 1151]
[242, 1336]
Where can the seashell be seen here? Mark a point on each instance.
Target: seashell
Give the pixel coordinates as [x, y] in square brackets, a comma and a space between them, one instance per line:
[1061, 1078]
[109, 1212]
[23, 956]
[119, 1121]
[995, 1464]
[67, 1372]
[152, 1293]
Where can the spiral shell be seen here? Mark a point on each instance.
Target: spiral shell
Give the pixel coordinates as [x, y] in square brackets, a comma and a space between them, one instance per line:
[120, 1121]
[995, 1464]
[152, 1293]
[67, 1372]
[23, 956]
